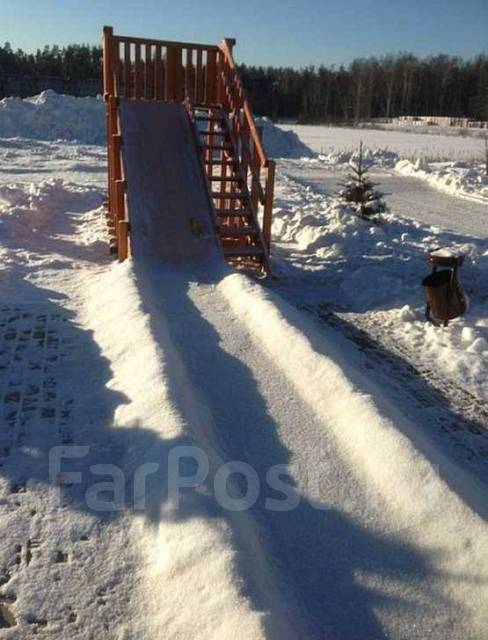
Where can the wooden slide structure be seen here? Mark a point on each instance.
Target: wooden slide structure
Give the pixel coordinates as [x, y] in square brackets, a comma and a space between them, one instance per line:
[188, 177]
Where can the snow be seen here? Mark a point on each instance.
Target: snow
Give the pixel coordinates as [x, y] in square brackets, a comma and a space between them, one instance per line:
[52, 116]
[329, 254]
[372, 442]
[279, 143]
[387, 532]
[455, 178]
[429, 147]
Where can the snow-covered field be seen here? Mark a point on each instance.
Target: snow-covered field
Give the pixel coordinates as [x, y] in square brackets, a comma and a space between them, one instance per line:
[373, 272]
[343, 496]
[431, 147]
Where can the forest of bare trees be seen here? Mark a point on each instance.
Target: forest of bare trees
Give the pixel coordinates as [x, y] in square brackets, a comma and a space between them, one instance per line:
[369, 88]
[394, 85]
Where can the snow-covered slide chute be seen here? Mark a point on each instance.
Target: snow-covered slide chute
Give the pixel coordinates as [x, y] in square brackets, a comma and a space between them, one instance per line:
[171, 211]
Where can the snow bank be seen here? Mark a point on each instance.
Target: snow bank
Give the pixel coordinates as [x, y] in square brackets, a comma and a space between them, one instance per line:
[52, 116]
[373, 438]
[371, 157]
[376, 270]
[456, 178]
[280, 143]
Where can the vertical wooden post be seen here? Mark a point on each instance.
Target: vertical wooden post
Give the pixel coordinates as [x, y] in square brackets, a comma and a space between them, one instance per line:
[127, 71]
[170, 73]
[123, 240]
[137, 72]
[107, 91]
[189, 75]
[268, 203]
[199, 94]
[210, 84]
[158, 74]
[179, 75]
[230, 44]
[111, 131]
[108, 63]
[148, 75]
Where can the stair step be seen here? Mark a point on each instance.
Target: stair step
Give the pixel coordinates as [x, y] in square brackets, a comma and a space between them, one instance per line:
[213, 133]
[226, 162]
[237, 232]
[207, 118]
[200, 106]
[230, 195]
[225, 178]
[217, 147]
[233, 213]
[243, 250]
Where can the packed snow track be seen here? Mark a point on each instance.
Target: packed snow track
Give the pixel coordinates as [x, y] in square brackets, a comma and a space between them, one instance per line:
[331, 522]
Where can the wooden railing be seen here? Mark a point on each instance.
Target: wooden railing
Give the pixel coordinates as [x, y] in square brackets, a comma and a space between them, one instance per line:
[203, 74]
[247, 139]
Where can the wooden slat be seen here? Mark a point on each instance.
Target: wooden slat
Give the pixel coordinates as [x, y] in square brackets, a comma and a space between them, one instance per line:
[268, 204]
[199, 79]
[119, 71]
[211, 77]
[127, 71]
[158, 75]
[170, 92]
[122, 240]
[190, 75]
[179, 75]
[148, 73]
[220, 86]
[138, 80]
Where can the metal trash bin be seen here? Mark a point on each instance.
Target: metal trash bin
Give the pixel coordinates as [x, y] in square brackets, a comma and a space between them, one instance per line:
[443, 291]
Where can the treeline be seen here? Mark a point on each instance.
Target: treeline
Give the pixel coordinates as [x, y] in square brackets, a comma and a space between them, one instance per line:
[369, 88]
[76, 62]
[372, 88]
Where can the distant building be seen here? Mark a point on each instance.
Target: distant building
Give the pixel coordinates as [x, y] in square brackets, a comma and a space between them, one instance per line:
[441, 121]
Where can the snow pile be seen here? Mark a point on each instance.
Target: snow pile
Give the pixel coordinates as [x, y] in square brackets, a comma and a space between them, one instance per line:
[53, 116]
[455, 178]
[371, 157]
[280, 143]
[27, 209]
[49, 197]
[376, 270]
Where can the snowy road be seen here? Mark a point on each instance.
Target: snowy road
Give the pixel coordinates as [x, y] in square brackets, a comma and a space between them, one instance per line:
[408, 197]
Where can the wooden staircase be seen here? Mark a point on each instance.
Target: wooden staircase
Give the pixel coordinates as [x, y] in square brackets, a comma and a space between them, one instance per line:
[240, 235]
[240, 177]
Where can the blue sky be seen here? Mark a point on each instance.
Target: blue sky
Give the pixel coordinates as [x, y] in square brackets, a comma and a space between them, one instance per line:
[271, 32]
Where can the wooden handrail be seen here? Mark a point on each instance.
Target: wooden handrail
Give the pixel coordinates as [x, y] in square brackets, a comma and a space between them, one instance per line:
[235, 100]
[167, 43]
[226, 49]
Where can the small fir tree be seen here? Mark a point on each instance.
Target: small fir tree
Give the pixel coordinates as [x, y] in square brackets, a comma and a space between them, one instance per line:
[360, 192]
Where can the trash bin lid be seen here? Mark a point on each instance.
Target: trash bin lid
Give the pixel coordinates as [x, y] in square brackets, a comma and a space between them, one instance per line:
[445, 257]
